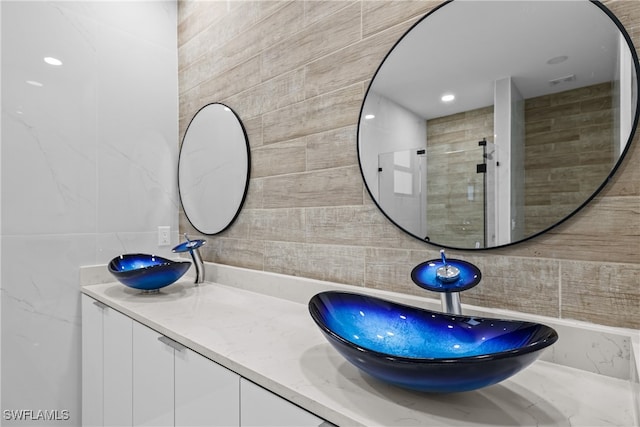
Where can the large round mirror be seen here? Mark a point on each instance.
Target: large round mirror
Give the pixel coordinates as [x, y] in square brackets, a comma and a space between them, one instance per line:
[213, 170]
[490, 122]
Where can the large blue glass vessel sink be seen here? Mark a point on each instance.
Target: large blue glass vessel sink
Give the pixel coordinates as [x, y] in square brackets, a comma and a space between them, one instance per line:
[426, 350]
[149, 273]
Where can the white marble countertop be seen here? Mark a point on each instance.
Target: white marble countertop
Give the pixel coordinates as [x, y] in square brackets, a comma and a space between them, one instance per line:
[273, 342]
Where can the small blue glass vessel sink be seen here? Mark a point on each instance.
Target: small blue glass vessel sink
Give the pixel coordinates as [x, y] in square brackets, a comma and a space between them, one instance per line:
[426, 350]
[148, 273]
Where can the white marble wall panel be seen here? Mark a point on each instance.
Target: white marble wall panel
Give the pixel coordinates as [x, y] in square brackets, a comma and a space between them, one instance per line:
[89, 162]
[48, 134]
[109, 245]
[41, 322]
[136, 150]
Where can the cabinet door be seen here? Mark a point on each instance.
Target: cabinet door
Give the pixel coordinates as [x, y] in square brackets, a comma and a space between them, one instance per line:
[152, 378]
[117, 368]
[207, 394]
[260, 407]
[92, 352]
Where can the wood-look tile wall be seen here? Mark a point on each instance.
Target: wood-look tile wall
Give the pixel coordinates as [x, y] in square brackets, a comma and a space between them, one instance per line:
[296, 74]
[568, 151]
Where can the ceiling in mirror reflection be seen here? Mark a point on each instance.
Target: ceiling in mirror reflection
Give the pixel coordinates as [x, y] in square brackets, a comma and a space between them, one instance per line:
[466, 46]
[514, 114]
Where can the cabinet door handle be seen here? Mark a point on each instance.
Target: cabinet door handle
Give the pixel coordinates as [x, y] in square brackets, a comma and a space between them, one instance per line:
[326, 424]
[171, 343]
[100, 305]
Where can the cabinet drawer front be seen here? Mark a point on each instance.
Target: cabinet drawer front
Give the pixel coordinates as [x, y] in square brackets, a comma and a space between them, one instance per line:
[261, 408]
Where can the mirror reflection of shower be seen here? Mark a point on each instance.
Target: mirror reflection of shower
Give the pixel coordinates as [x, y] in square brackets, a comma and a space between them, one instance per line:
[456, 193]
[452, 203]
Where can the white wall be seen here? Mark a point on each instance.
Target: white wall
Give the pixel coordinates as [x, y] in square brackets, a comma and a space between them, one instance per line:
[88, 172]
[394, 128]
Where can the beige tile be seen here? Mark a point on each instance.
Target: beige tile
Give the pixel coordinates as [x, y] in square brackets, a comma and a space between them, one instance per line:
[255, 199]
[271, 29]
[278, 159]
[321, 38]
[237, 252]
[331, 111]
[252, 127]
[240, 19]
[352, 64]
[195, 16]
[192, 75]
[240, 78]
[285, 225]
[608, 230]
[331, 149]
[315, 10]
[280, 92]
[356, 226]
[521, 284]
[341, 264]
[607, 294]
[380, 15]
[390, 270]
[328, 187]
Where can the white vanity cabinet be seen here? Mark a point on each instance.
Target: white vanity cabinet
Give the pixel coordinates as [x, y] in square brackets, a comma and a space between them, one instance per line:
[207, 394]
[107, 365]
[261, 408]
[153, 378]
[173, 385]
[135, 376]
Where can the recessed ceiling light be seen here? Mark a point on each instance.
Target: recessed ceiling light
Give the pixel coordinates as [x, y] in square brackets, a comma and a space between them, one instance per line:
[448, 97]
[34, 83]
[369, 116]
[557, 59]
[52, 61]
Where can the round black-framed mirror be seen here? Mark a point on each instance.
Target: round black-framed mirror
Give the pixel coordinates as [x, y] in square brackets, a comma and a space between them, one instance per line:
[456, 173]
[213, 168]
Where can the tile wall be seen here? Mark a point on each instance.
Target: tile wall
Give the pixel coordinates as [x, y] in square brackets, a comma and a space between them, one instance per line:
[296, 74]
[557, 178]
[89, 160]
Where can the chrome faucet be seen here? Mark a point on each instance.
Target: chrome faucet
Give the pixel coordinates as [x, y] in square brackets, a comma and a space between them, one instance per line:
[193, 246]
[448, 274]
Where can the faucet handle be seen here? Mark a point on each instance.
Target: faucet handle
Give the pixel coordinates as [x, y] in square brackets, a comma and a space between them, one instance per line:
[447, 273]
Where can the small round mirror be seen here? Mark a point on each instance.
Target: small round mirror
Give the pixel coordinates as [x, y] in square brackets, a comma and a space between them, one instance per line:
[213, 169]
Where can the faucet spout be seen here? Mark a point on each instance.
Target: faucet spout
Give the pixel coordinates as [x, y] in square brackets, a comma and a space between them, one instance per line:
[450, 302]
[193, 247]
